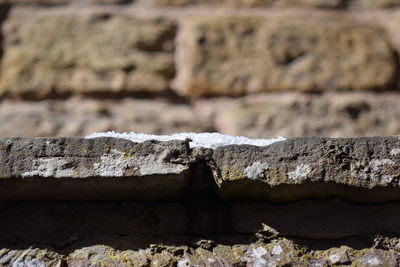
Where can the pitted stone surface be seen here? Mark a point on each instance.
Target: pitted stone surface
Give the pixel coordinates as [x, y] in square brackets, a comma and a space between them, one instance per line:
[76, 167]
[277, 253]
[30, 258]
[298, 168]
[238, 55]
[310, 167]
[49, 53]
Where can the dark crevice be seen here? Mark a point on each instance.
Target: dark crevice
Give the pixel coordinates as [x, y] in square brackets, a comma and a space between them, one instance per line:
[396, 78]
[168, 95]
[292, 193]
[200, 218]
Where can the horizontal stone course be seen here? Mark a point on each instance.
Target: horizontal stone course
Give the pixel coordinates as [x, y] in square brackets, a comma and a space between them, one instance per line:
[364, 169]
[289, 114]
[132, 52]
[73, 169]
[280, 253]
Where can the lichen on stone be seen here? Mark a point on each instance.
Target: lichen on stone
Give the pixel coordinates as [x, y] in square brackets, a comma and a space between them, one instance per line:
[256, 170]
[300, 174]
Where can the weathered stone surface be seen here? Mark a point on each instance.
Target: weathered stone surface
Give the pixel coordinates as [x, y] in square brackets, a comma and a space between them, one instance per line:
[47, 53]
[30, 257]
[36, 2]
[278, 253]
[303, 168]
[312, 3]
[81, 116]
[111, 1]
[259, 116]
[106, 256]
[298, 168]
[296, 114]
[254, 3]
[229, 55]
[61, 2]
[376, 3]
[241, 3]
[104, 168]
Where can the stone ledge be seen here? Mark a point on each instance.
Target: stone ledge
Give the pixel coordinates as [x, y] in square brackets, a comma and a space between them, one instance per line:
[360, 169]
[92, 169]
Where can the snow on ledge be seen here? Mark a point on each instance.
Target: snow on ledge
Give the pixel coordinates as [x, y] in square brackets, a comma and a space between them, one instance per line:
[208, 140]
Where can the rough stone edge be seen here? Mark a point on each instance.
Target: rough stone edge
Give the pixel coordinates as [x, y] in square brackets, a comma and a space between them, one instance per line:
[335, 169]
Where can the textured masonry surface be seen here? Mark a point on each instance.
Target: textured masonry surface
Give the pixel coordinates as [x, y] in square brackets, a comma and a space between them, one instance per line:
[112, 202]
[54, 48]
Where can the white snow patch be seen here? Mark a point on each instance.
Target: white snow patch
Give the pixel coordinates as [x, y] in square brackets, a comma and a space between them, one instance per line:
[256, 170]
[334, 258]
[29, 262]
[395, 151]
[300, 173]
[208, 140]
[210, 260]
[183, 263]
[50, 167]
[277, 250]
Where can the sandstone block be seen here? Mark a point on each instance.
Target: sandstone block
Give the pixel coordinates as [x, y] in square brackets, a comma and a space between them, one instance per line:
[242, 55]
[81, 116]
[53, 53]
[287, 114]
[279, 172]
[113, 167]
[292, 114]
[360, 169]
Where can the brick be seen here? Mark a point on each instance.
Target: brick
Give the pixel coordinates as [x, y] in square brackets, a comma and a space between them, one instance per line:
[241, 55]
[51, 53]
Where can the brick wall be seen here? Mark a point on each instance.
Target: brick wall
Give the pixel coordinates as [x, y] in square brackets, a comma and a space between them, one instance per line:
[191, 50]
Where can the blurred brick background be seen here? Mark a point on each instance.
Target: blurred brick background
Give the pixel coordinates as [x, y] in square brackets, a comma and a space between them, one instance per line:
[258, 68]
